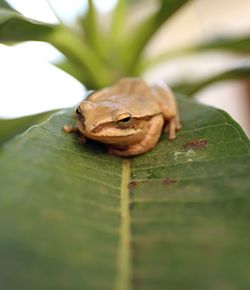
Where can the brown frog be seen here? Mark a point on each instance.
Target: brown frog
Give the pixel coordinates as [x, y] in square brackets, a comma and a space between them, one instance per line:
[128, 116]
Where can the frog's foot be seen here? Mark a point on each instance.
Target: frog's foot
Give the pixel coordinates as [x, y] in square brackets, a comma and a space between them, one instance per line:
[69, 128]
[169, 109]
[172, 126]
[146, 144]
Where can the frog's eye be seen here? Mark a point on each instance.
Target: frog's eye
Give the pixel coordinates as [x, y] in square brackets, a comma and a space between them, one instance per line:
[123, 120]
[78, 111]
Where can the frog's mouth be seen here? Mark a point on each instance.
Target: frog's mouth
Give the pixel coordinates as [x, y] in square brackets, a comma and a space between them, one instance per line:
[117, 136]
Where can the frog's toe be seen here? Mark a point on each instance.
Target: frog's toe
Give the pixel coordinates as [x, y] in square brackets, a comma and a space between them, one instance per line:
[171, 128]
[177, 123]
[69, 128]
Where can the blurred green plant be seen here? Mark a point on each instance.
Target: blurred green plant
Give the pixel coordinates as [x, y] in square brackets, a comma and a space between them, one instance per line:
[98, 56]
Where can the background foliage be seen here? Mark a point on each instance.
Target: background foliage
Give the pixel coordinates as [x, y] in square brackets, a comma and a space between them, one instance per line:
[97, 55]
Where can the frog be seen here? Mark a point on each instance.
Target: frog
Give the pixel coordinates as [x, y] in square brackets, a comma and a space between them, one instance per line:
[128, 117]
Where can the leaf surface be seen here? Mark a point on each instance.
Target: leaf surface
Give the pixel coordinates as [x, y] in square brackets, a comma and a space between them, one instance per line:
[141, 35]
[236, 45]
[74, 70]
[190, 88]
[12, 127]
[92, 32]
[5, 4]
[15, 27]
[233, 44]
[74, 217]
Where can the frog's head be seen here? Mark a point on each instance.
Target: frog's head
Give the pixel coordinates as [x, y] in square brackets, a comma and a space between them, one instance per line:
[108, 122]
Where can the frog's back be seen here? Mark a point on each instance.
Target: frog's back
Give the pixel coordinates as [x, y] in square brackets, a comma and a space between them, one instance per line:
[131, 93]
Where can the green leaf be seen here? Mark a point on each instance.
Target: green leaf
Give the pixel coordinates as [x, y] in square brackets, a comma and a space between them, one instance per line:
[93, 34]
[235, 44]
[190, 88]
[118, 20]
[75, 71]
[15, 27]
[81, 55]
[147, 29]
[74, 217]
[240, 45]
[12, 127]
[5, 4]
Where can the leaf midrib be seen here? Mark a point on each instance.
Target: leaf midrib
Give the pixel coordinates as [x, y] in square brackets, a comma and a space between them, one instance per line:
[124, 274]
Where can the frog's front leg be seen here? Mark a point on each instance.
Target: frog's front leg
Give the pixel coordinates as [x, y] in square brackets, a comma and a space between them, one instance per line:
[169, 109]
[78, 128]
[147, 143]
[69, 128]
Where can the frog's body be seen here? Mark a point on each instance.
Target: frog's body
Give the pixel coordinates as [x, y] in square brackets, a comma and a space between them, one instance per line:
[128, 116]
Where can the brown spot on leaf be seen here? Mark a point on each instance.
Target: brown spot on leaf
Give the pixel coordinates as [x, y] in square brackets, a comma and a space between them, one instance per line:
[195, 144]
[168, 181]
[132, 185]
